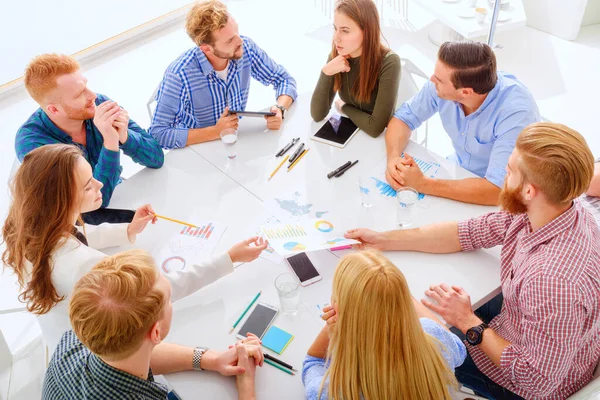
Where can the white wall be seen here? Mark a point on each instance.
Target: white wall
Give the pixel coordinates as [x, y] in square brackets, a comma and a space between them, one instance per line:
[67, 26]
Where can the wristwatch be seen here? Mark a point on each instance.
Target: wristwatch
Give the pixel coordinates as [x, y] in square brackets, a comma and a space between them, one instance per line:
[197, 359]
[282, 108]
[475, 334]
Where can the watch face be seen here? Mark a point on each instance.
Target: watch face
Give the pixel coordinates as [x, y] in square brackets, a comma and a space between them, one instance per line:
[472, 336]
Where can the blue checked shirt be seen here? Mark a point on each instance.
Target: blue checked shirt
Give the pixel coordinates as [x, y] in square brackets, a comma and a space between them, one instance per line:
[75, 372]
[39, 130]
[484, 140]
[192, 95]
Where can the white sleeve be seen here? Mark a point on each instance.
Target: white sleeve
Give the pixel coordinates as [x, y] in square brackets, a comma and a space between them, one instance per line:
[195, 277]
[106, 235]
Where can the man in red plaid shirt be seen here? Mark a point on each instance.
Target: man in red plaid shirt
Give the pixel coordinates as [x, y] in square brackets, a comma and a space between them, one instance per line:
[544, 343]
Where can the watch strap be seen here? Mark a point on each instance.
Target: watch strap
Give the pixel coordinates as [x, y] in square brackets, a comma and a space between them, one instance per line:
[197, 358]
[282, 108]
[479, 330]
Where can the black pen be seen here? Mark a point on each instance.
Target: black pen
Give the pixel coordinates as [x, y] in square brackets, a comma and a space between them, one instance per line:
[278, 361]
[338, 170]
[346, 169]
[287, 147]
[296, 153]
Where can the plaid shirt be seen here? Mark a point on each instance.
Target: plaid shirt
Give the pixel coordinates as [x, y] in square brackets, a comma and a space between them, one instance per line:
[76, 373]
[192, 95]
[551, 310]
[39, 130]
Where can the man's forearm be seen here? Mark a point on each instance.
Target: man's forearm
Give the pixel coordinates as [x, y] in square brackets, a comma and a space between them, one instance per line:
[201, 135]
[285, 101]
[169, 357]
[396, 137]
[439, 238]
[492, 344]
[469, 190]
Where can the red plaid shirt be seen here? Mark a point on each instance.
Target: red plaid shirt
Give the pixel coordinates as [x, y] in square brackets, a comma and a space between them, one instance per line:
[551, 311]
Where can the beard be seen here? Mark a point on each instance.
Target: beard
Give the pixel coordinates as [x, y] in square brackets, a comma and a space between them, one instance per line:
[511, 200]
[79, 114]
[229, 56]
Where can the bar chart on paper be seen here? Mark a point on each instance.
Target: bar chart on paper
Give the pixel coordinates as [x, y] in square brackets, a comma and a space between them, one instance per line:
[201, 232]
[283, 232]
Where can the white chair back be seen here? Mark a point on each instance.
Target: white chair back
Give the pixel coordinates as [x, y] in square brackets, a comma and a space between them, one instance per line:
[412, 80]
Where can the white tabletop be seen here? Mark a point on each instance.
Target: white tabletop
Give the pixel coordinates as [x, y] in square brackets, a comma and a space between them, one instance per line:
[448, 13]
[200, 183]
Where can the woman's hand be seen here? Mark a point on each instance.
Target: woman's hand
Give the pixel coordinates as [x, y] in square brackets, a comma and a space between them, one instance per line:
[142, 216]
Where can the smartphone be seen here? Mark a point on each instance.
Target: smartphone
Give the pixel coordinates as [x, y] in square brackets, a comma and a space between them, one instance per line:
[259, 321]
[304, 269]
[253, 113]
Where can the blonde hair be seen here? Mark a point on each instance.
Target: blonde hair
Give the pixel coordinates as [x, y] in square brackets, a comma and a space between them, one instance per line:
[377, 348]
[114, 305]
[555, 159]
[205, 18]
[42, 72]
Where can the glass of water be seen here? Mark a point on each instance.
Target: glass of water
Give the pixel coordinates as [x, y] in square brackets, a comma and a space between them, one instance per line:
[229, 138]
[366, 185]
[407, 206]
[288, 289]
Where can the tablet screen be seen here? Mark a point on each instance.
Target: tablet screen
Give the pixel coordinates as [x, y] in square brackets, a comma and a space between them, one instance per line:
[338, 130]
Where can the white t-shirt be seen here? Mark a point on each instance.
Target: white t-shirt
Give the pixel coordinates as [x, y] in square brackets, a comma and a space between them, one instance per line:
[222, 74]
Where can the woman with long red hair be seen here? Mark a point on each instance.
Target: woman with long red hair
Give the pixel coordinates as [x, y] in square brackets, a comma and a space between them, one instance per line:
[360, 69]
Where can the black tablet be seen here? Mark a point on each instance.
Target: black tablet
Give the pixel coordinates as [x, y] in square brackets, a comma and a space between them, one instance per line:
[253, 113]
[337, 131]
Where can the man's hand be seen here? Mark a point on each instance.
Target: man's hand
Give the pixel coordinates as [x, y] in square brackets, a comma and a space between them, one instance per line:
[121, 124]
[337, 65]
[226, 121]
[410, 175]
[227, 363]
[274, 122]
[392, 174]
[248, 250]
[367, 239]
[453, 305]
[104, 119]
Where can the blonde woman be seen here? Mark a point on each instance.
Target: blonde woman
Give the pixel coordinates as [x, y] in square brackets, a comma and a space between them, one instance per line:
[374, 345]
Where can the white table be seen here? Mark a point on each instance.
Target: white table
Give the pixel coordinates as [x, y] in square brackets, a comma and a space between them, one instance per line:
[469, 28]
[199, 183]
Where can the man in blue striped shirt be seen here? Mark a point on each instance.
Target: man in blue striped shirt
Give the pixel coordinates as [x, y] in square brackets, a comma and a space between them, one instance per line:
[71, 113]
[205, 82]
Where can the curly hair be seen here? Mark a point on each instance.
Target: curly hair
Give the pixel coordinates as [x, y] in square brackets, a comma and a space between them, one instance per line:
[205, 18]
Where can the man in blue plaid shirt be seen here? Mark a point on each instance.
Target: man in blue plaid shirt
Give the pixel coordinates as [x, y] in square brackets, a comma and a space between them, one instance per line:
[120, 312]
[71, 113]
[205, 82]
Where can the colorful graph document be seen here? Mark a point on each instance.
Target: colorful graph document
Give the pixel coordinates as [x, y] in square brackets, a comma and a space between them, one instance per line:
[429, 168]
[315, 234]
[189, 246]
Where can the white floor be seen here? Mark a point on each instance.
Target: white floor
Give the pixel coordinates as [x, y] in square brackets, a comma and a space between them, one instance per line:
[562, 75]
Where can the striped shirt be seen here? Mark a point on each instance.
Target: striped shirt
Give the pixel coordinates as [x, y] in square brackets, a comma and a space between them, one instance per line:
[551, 310]
[193, 96]
[39, 130]
[75, 372]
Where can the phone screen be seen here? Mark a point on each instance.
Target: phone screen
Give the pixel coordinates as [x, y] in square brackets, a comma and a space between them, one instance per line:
[304, 269]
[258, 322]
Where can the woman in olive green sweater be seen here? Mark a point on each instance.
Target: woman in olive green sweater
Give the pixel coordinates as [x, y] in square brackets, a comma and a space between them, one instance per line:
[365, 73]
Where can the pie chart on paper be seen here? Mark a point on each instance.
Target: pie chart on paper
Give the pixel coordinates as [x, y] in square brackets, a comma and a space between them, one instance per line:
[324, 226]
[294, 246]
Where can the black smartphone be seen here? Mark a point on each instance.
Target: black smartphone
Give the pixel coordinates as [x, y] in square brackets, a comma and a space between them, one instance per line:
[303, 268]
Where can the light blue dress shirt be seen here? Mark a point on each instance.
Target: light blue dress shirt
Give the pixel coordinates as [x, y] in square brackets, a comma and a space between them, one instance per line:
[453, 351]
[192, 95]
[484, 140]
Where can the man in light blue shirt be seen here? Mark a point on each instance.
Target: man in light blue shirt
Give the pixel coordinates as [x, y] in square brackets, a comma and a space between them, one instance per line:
[482, 110]
[206, 82]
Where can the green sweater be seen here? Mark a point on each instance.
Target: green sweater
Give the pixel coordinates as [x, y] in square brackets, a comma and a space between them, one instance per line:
[371, 117]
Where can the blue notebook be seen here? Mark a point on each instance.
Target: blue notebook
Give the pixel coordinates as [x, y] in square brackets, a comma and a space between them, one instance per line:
[276, 339]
